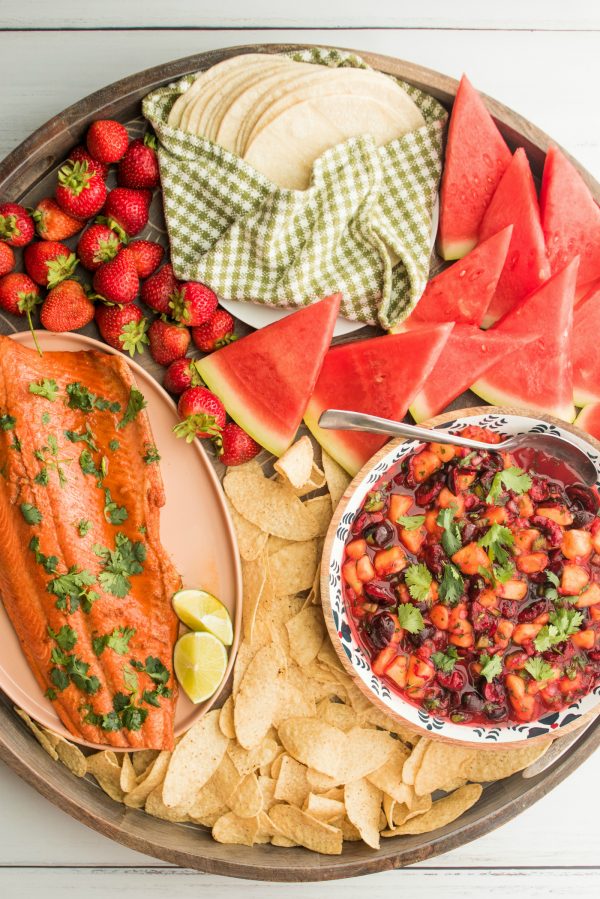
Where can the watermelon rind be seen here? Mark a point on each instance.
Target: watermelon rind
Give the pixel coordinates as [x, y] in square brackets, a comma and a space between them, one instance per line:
[589, 420]
[495, 396]
[343, 455]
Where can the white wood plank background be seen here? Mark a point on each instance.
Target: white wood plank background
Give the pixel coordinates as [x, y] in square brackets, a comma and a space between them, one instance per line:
[539, 56]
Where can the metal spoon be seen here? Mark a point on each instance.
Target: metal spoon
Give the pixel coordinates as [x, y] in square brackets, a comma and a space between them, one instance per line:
[556, 447]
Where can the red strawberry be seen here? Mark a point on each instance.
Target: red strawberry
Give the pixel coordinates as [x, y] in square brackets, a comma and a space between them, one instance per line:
[7, 258]
[234, 446]
[67, 307]
[81, 192]
[139, 166]
[157, 290]
[49, 262]
[97, 245]
[148, 256]
[202, 412]
[117, 281]
[126, 210]
[123, 327]
[193, 304]
[16, 225]
[51, 223]
[180, 375]
[107, 140]
[80, 154]
[215, 333]
[20, 295]
[167, 341]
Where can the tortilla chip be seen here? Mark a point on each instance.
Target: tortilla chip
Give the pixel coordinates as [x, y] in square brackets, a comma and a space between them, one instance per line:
[320, 507]
[293, 568]
[337, 479]
[128, 776]
[324, 808]
[388, 778]
[194, 761]
[303, 829]
[338, 714]
[363, 805]
[306, 631]
[229, 828]
[266, 786]
[294, 467]
[270, 505]
[411, 765]
[209, 800]
[142, 760]
[320, 783]
[374, 716]
[104, 766]
[155, 806]
[254, 579]
[250, 539]
[277, 543]
[261, 636]
[441, 813]
[441, 764]
[46, 739]
[246, 801]
[226, 719]
[248, 760]
[291, 784]
[258, 696]
[350, 833]
[153, 777]
[484, 765]
[293, 703]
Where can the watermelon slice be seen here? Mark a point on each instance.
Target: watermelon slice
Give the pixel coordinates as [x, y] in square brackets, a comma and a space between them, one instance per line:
[468, 354]
[589, 420]
[540, 377]
[463, 291]
[570, 218]
[378, 376]
[476, 157]
[586, 358]
[265, 379]
[515, 202]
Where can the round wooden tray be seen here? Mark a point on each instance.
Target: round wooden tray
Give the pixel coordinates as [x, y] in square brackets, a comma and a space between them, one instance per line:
[26, 175]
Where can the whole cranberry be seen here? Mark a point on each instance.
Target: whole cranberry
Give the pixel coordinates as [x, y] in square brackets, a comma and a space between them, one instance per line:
[380, 533]
[532, 611]
[494, 692]
[454, 680]
[381, 630]
[496, 712]
[472, 703]
[377, 593]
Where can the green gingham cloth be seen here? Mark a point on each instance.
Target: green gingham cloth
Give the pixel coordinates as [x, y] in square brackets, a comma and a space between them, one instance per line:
[233, 229]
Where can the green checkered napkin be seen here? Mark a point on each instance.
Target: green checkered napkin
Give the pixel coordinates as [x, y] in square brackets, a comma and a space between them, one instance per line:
[232, 228]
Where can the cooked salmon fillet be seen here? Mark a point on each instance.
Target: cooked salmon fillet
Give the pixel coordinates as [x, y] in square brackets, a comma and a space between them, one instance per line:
[83, 576]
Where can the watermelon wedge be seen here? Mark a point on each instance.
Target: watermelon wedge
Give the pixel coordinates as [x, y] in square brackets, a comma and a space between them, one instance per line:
[589, 420]
[378, 376]
[476, 157]
[265, 379]
[515, 202]
[539, 377]
[570, 218]
[463, 291]
[468, 354]
[586, 358]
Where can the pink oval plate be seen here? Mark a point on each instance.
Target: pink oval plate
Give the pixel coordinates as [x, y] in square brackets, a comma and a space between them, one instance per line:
[196, 531]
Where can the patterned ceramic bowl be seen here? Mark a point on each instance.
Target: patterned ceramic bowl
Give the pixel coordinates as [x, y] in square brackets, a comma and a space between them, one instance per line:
[355, 659]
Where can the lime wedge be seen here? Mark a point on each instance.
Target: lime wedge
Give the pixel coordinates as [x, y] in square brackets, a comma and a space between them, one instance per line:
[201, 611]
[200, 662]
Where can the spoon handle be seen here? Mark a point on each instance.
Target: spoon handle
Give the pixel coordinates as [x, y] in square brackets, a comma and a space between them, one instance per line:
[344, 420]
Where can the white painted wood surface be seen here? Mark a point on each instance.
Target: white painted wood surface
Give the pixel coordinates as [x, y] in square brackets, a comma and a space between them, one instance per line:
[542, 58]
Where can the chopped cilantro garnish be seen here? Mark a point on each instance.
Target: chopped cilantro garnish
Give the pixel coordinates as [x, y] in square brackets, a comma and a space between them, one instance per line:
[561, 624]
[83, 527]
[452, 585]
[411, 522]
[74, 670]
[410, 618]
[512, 478]
[30, 513]
[491, 666]
[84, 437]
[41, 477]
[418, 579]
[48, 455]
[445, 661]
[125, 715]
[133, 717]
[117, 641]
[538, 668]
[72, 590]
[47, 387]
[48, 563]
[142, 529]
[152, 455]
[79, 397]
[114, 445]
[131, 680]
[7, 422]
[87, 464]
[495, 541]
[155, 669]
[66, 637]
[16, 445]
[553, 578]
[59, 678]
[135, 405]
[119, 564]
[451, 539]
[113, 513]
[46, 418]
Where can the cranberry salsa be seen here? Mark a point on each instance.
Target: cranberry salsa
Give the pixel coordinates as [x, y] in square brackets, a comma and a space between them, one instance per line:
[473, 583]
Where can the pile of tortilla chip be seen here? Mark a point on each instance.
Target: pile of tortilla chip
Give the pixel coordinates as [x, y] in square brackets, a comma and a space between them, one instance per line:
[297, 755]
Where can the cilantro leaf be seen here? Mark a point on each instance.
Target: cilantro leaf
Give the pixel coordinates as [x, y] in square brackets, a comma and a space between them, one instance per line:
[42, 478]
[119, 564]
[113, 513]
[7, 422]
[452, 585]
[30, 513]
[512, 478]
[411, 522]
[84, 437]
[445, 661]
[495, 541]
[71, 590]
[66, 637]
[418, 579]
[538, 668]
[553, 578]
[114, 445]
[135, 405]
[118, 641]
[79, 397]
[562, 623]
[451, 539]
[133, 717]
[410, 619]
[47, 387]
[491, 666]
[48, 563]
[131, 680]
[59, 678]
[83, 527]
[152, 455]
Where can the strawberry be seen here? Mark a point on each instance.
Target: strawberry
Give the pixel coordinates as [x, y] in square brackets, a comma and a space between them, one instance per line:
[156, 291]
[7, 258]
[67, 307]
[126, 210]
[234, 446]
[148, 256]
[49, 262]
[167, 341]
[51, 223]
[20, 295]
[16, 225]
[202, 412]
[139, 166]
[107, 140]
[81, 192]
[193, 303]
[80, 154]
[180, 375]
[97, 245]
[215, 333]
[123, 327]
[117, 280]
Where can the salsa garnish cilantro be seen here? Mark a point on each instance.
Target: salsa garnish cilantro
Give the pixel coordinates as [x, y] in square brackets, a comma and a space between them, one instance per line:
[473, 583]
